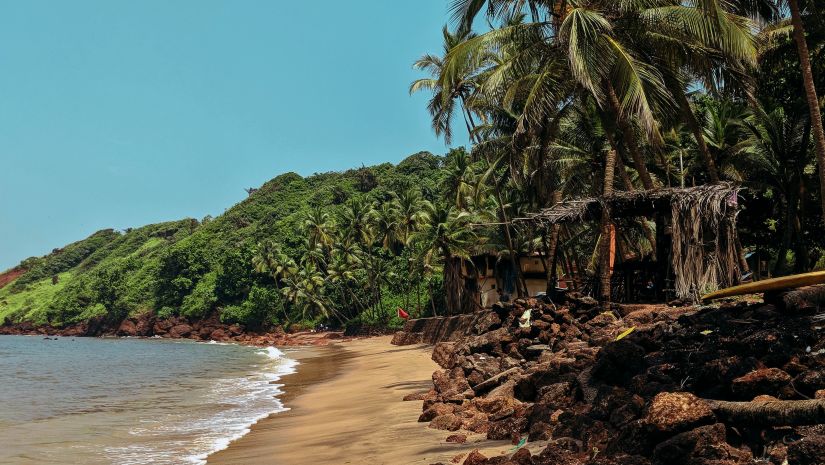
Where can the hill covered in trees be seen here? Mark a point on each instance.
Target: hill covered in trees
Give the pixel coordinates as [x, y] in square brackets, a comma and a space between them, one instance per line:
[221, 265]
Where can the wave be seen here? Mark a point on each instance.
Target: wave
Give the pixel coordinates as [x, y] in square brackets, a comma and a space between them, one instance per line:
[228, 409]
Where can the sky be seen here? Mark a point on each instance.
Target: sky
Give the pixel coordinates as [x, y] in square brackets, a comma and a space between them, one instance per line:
[117, 113]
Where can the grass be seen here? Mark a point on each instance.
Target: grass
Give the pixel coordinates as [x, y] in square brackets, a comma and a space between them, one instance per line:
[33, 300]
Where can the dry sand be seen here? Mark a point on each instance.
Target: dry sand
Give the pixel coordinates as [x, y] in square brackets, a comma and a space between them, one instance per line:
[346, 407]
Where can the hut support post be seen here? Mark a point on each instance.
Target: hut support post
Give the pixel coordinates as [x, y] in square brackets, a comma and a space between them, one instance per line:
[661, 256]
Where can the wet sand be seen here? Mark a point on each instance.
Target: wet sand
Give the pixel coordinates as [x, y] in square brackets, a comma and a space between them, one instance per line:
[346, 407]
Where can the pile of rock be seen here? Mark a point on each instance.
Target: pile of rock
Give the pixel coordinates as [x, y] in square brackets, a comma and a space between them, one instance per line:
[681, 388]
[149, 325]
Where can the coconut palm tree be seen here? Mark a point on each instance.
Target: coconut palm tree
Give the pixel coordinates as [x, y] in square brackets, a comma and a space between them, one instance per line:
[305, 290]
[356, 219]
[319, 227]
[448, 238]
[386, 225]
[270, 259]
[775, 154]
[446, 95]
[810, 93]
[412, 212]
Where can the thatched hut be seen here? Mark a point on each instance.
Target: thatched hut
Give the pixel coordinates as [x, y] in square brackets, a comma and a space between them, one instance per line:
[698, 224]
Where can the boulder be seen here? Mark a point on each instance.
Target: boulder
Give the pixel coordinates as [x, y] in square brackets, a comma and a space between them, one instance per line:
[616, 405]
[437, 410]
[452, 384]
[179, 331]
[485, 365]
[522, 457]
[494, 381]
[235, 330]
[476, 422]
[127, 328]
[714, 378]
[444, 354]
[490, 342]
[486, 322]
[618, 361]
[700, 446]
[510, 429]
[497, 408]
[218, 335]
[810, 381]
[161, 327]
[448, 422]
[553, 454]
[475, 458]
[808, 451]
[770, 381]
[674, 412]
[557, 395]
[507, 389]
[457, 438]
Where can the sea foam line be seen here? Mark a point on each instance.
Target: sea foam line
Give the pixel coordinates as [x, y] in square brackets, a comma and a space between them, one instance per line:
[287, 366]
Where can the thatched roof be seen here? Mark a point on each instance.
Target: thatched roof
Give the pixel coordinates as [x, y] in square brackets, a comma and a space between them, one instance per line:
[637, 203]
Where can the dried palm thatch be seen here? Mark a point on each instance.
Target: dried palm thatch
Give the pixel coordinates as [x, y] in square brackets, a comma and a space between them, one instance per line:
[704, 255]
[703, 229]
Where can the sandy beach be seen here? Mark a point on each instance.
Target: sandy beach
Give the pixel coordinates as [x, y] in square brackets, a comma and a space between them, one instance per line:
[346, 407]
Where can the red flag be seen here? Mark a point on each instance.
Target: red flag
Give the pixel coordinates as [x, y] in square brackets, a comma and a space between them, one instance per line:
[402, 313]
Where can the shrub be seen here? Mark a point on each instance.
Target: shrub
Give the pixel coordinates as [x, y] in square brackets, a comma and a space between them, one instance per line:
[202, 299]
[260, 309]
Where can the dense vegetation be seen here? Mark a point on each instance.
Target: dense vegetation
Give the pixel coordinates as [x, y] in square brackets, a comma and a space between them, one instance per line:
[589, 97]
[193, 268]
[562, 99]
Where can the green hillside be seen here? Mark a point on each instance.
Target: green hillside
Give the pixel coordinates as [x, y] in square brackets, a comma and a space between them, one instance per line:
[194, 268]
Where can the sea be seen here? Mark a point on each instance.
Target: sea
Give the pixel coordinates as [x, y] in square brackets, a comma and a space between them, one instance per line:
[131, 401]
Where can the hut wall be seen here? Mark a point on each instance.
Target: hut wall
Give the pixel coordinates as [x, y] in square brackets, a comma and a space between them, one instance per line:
[535, 286]
[489, 292]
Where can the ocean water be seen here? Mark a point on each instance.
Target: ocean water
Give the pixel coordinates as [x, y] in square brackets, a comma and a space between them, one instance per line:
[130, 401]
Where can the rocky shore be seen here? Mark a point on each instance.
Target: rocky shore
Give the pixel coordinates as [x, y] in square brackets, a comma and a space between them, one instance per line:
[639, 385]
[148, 325]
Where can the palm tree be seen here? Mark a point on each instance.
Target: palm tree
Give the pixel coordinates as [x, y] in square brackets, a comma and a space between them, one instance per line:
[448, 238]
[305, 290]
[695, 40]
[357, 220]
[442, 105]
[387, 226]
[775, 154]
[412, 213]
[810, 94]
[271, 259]
[318, 226]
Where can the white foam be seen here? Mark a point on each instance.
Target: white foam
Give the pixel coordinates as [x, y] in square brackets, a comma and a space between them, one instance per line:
[284, 367]
[243, 400]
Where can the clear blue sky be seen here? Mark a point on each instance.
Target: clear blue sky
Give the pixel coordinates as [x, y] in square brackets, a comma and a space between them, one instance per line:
[118, 113]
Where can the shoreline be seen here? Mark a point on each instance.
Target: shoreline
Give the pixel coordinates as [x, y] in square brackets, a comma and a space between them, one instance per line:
[346, 407]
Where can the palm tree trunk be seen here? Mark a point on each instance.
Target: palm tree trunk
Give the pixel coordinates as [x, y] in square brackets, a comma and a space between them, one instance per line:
[628, 136]
[690, 118]
[810, 95]
[452, 284]
[787, 235]
[432, 298]
[801, 251]
[418, 298]
[521, 287]
[552, 249]
[606, 229]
